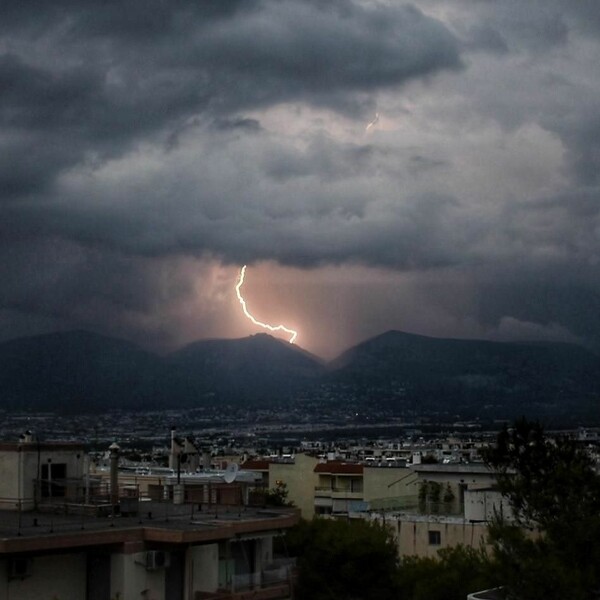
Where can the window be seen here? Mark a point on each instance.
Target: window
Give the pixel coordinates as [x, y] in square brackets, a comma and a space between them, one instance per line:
[53, 476]
[323, 510]
[435, 538]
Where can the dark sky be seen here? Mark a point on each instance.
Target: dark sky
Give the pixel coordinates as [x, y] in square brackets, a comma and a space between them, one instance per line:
[149, 148]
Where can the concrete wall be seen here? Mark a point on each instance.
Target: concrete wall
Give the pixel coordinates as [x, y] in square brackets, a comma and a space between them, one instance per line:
[388, 482]
[203, 568]
[484, 504]
[412, 534]
[11, 464]
[57, 577]
[131, 580]
[19, 469]
[300, 479]
[458, 477]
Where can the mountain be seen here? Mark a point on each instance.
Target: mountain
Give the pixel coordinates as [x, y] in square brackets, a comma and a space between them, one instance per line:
[78, 370]
[81, 371]
[257, 367]
[471, 374]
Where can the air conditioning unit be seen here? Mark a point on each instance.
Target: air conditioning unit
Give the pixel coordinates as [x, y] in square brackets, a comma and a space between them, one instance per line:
[157, 559]
[19, 568]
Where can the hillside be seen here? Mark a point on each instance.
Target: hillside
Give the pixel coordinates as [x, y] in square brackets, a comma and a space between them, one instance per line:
[470, 374]
[256, 367]
[85, 372]
[79, 370]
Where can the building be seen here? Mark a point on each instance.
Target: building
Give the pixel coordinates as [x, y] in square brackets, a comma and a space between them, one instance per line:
[421, 533]
[452, 479]
[342, 488]
[75, 537]
[298, 475]
[339, 488]
[30, 471]
[425, 535]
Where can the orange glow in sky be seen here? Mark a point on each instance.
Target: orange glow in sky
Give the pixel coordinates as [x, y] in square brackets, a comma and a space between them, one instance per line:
[238, 287]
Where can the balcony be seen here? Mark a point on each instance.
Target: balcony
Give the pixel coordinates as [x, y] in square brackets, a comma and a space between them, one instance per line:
[273, 583]
[342, 494]
[339, 493]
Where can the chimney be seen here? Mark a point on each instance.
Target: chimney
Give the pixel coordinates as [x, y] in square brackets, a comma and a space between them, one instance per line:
[114, 449]
[26, 438]
[174, 449]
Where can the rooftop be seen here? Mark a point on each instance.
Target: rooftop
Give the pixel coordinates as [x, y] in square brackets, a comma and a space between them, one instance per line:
[452, 468]
[339, 468]
[35, 446]
[255, 465]
[159, 522]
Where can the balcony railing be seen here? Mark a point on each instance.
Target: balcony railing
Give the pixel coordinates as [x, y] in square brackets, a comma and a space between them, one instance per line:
[339, 494]
[279, 572]
[272, 583]
[323, 490]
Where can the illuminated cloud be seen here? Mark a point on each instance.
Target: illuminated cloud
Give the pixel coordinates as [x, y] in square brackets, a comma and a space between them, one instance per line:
[147, 151]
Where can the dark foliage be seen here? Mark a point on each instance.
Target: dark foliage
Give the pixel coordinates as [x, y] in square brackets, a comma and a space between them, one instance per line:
[552, 548]
[278, 495]
[452, 575]
[357, 560]
[344, 560]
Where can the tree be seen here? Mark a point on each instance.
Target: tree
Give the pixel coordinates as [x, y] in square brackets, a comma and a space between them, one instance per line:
[430, 493]
[344, 560]
[277, 496]
[552, 548]
[452, 575]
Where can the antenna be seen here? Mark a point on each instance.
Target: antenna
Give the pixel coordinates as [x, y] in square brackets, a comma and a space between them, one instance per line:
[230, 473]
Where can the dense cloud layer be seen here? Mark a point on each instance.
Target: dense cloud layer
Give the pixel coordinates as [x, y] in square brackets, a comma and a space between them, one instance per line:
[149, 148]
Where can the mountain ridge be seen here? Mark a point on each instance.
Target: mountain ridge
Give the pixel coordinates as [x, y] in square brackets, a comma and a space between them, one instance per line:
[89, 372]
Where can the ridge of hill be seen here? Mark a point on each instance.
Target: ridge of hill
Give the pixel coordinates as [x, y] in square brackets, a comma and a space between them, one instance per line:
[513, 377]
[258, 366]
[79, 371]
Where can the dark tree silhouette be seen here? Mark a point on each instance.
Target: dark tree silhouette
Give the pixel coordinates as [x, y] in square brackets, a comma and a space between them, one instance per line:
[344, 560]
[551, 549]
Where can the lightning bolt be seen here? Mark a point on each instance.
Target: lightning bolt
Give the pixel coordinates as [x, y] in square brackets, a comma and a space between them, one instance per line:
[373, 122]
[238, 287]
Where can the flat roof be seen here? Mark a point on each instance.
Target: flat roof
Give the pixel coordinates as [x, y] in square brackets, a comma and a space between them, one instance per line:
[35, 446]
[452, 468]
[254, 464]
[339, 468]
[159, 522]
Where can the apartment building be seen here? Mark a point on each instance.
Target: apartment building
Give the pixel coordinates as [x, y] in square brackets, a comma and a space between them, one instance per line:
[424, 534]
[67, 536]
[338, 488]
[298, 474]
[427, 506]
[30, 469]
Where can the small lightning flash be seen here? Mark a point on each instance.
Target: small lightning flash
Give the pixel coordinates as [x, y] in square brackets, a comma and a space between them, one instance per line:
[373, 122]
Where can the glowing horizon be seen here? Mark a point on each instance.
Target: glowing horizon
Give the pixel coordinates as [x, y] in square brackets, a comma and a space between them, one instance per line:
[238, 287]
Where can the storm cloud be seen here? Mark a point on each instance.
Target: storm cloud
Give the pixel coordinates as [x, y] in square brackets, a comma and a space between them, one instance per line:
[148, 149]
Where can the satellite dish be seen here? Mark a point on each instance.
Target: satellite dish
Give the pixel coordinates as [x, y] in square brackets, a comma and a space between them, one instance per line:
[230, 472]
